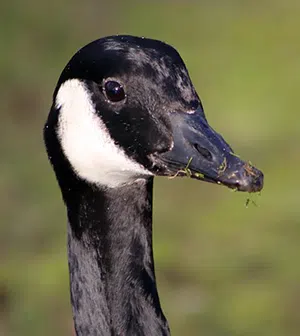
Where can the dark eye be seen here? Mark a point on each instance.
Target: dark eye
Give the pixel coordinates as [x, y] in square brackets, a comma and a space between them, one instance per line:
[114, 91]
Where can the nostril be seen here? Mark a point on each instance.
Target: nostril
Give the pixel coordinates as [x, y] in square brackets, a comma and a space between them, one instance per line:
[204, 152]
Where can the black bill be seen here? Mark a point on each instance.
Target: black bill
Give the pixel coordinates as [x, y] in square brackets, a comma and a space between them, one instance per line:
[202, 153]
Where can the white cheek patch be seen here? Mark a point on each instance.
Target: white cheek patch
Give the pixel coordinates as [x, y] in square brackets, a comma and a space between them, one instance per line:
[87, 143]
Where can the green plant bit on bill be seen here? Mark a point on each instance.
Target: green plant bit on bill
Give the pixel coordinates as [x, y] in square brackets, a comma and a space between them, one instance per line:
[236, 155]
[185, 171]
[250, 200]
[199, 175]
[222, 167]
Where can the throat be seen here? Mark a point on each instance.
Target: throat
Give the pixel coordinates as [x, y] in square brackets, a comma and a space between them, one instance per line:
[113, 287]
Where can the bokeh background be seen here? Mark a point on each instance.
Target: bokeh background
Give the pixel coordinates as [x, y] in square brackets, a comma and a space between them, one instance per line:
[222, 268]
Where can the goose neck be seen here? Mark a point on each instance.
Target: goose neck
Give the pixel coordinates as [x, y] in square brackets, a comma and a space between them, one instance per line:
[113, 287]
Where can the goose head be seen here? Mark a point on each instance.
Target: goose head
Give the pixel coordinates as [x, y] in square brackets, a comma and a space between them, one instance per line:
[125, 109]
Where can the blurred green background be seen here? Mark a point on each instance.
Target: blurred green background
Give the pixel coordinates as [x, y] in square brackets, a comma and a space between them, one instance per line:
[223, 269]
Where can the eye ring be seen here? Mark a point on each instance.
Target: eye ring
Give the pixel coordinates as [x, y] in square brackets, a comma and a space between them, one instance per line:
[114, 91]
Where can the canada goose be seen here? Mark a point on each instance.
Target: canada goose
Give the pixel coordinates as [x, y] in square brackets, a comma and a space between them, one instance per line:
[124, 110]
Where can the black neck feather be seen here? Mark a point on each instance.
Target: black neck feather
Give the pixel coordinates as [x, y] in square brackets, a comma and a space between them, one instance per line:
[112, 277]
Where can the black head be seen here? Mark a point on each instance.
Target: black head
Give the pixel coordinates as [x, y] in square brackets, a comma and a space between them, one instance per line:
[124, 108]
